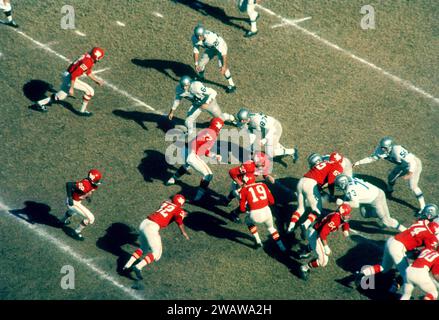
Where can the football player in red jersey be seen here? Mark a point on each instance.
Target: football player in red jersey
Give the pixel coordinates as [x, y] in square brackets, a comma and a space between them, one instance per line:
[308, 189]
[149, 236]
[317, 237]
[5, 5]
[76, 192]
[256, 198]
[422, 233]
[418, 274]
[83, 65]
[200, 146]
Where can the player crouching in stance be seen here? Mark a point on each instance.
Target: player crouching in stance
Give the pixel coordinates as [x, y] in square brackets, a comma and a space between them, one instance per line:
[71, 81]
[317, 237]
[198, 147]
[76, 192]
[5, 5]
[258, 198]
[149, 236]
[422, 233]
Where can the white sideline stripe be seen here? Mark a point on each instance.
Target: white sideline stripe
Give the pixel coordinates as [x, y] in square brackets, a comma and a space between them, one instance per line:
[108, 84]
[68, 250]
[403, 82]
[80, 33]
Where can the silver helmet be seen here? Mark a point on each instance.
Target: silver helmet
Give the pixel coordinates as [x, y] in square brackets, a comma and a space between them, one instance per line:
[386, 144]
[185, 81]
[313, 159]
[199, 31]
[243, 114]
[430, 212]
[342, 181]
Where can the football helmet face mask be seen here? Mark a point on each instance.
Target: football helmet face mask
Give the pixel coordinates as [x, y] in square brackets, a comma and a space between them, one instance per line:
[342, 181]
[185, 82]
[313, 159]
[97, 53]
[243, 115]
[429, 212]
[336, 157]
[386, 144]
[199, 31]
[345, 211]
[179, 200]
[216, 124]
[94, 176]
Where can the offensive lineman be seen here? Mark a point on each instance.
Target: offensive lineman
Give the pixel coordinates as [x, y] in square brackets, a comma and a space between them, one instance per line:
[257, 197]
[5, 5]
[76, 192]
[200, 146]
[149, 236]
[358, 192]
[203, 99]
[214, 46]
[408, 166]
[270, 130]
[71, 81]
[249, 7]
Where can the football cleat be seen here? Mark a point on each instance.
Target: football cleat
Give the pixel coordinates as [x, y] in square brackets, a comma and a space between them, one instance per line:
[12, 24]
[138, 273]
[78, 236]
[305, 254]
[295, 155]
[258, 245]
[235, 217]
[303, 232]
[170, 182]
[230, 89]
[250, 34]
[86, 114]
[304, 272]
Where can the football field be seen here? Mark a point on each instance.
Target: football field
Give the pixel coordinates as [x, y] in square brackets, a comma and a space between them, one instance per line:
[332, 85]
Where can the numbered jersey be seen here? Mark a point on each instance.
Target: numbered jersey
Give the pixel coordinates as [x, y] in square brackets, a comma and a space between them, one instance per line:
[211, 41]
[203, 142]
[255, 196]
[324, 172]
[167, 213]
[180, 93]
[398, 155]
[83, 64]
[247, 168]
[417, 235]
[361, 192]
[201, 94]
[260, 121]
[428, 258]
[330, 223]
[83, 189]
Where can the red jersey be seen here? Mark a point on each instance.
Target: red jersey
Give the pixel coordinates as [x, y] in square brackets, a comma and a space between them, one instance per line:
[428, 258]
[167, 213]
[238, 174]
[417, 235]
[332, 222]
[256, 195]
[83, 189]
[324, 172]
[203, 142]
[83, 64]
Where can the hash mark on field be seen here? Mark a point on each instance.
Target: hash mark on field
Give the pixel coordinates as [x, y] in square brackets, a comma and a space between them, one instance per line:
[79, 33]
[157, 14]
[285, 23]
[120, 23]
[107, 84]
[69, 250]
[397, 79]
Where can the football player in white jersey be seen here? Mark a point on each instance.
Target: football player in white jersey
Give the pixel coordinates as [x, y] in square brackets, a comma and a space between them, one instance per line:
[358, 192]
[203, 99]
[270, 131]
[249, 7]
[214, 46]
[5, 6]
[408, 166]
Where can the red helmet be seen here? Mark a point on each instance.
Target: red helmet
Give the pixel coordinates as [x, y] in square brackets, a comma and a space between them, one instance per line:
[179, 200]
[248, 179]
[260, 159]
[216, 124]
[94, 175]
[434, 228]
[97, 53]
[345, 211]
[335, 157]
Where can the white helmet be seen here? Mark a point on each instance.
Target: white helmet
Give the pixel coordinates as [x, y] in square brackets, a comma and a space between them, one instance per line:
[342, 181]
[386, 144]
[199, 31]
[243, 114]
[185, 81]
[313, 159]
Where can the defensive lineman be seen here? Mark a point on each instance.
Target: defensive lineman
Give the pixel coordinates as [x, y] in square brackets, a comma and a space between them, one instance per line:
[203, 99]
[358, 192]
[76, 192]
[408, 166]
[5, 5]
[149, 237]
[249, 6]
[71, 81]
[214, 46]
[270, 131]
[344, 162]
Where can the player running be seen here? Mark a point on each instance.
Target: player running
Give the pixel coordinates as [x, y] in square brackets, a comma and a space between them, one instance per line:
[83, 65]
[149, 236]
[249, 7]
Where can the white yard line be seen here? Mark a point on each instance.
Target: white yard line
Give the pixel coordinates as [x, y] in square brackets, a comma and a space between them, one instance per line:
[66, 249]
[108, 84]
[101, 70]
[79, 33]
[397, 79]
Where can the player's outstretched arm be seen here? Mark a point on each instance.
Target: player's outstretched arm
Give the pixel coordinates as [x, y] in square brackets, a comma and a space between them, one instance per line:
[98, 81]
[183, 231]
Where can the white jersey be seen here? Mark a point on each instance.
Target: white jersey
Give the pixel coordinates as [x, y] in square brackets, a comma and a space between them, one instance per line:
[180, 93]
[399, 155]
[361, 192]
[201, 94]
[211, 41]
[261, 122]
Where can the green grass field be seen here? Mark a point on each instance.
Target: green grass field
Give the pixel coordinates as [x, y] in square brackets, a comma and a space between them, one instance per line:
[326, 100]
